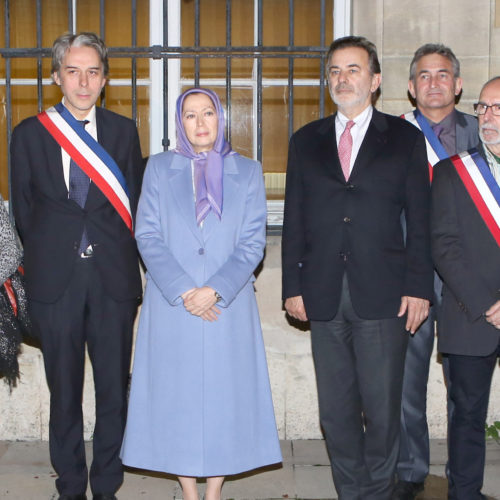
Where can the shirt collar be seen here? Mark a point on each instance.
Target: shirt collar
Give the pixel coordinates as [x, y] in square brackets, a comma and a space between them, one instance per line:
[90, 115]
[359, 120]
[492, 162]
[449, 122]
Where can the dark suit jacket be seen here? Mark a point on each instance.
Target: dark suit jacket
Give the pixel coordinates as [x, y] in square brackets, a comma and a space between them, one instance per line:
[466, 130]
[51, 225]
[468, 259]
[332, 226]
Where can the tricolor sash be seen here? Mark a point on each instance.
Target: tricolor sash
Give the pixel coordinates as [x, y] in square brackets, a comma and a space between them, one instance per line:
[481, 186]
[435, 150]
[90, 156]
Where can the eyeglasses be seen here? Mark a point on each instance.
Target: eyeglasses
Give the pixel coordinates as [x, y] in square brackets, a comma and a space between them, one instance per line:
[480, 108]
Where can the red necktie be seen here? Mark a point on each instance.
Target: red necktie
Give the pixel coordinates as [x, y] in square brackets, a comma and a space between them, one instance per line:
[345, 149]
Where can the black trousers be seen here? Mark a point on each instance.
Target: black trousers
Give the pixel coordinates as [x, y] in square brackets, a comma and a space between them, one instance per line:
[470, 392]
[359, 367]
[86, 314]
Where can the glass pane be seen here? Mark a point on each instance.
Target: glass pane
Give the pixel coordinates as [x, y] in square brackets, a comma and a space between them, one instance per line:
[309, 33]
[118, 30]
[213, 33]
[306, 105]
[119, 100]
[274, 128]
[242, 121]
[275, 22]
[242, 34]
[4, 186]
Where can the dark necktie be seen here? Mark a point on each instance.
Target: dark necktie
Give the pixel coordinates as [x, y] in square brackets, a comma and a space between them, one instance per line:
[79, 183]
[437, 130]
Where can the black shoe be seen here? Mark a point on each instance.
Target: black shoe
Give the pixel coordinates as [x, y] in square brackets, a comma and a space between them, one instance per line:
[105, 496]
[406, 490]
[73, 497]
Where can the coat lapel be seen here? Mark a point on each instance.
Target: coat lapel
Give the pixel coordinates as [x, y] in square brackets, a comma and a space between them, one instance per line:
[373, 142]
[327, 149]
[55, 168]
[461, 133]
[181, 182]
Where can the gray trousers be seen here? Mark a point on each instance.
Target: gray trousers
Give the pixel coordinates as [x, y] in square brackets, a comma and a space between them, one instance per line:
[359, 369]
[413, 463]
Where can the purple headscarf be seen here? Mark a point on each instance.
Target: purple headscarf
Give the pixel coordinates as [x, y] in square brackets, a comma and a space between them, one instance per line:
[208, 165]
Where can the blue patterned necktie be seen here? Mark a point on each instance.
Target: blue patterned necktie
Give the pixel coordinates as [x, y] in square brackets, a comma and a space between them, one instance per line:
[79, 183]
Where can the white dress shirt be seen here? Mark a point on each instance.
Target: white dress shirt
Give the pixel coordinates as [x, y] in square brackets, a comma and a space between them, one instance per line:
[358, 130]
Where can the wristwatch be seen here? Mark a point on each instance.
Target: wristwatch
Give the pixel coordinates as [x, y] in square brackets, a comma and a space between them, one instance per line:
[217, 297]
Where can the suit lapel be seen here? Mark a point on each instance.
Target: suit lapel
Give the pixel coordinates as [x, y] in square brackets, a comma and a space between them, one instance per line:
[373, 143]
[461, 135]
[55, 167]
[327, 149]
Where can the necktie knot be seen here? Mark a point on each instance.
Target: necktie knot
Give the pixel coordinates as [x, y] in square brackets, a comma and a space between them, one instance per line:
[349, 125]
[438, 129]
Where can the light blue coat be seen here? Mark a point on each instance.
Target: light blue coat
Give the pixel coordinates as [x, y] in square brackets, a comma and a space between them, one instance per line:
[200, 400]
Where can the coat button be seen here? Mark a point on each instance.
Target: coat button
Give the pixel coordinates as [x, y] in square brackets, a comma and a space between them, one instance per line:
[201, 251]
[347, 220]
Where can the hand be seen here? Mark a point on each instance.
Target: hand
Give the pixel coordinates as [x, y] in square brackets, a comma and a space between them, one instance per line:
[416, 311]
[210, 314]
[295, 308]
[201, 302]
[188, 292]
[493, 315]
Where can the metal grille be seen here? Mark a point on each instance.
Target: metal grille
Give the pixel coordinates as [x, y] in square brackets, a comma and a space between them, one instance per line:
[197, 52]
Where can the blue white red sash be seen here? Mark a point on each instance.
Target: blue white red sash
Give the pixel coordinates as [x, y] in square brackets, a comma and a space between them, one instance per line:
[90, 156]
[481, 186]
[435, 150]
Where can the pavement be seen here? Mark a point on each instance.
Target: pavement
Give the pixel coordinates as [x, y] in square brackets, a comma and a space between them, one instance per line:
[26, 474]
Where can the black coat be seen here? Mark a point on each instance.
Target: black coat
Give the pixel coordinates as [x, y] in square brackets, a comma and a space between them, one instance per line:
[468, 259]
[332, 226]
[51, 225]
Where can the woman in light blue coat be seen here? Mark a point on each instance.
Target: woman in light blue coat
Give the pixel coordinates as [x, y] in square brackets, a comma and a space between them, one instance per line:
[200, 401]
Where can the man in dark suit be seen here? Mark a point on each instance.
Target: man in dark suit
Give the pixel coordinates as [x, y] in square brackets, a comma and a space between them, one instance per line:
[81, 262]
[347, 268]
[465, 232]
[434, 84]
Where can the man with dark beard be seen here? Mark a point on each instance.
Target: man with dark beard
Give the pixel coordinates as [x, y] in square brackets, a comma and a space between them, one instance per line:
[465, 228]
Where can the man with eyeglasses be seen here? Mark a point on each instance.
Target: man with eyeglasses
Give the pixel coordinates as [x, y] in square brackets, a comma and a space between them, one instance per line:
[465, 228]
[434, 84]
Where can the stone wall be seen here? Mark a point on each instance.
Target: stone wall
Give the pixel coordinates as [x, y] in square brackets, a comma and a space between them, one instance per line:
[399, 27]
[24, 413]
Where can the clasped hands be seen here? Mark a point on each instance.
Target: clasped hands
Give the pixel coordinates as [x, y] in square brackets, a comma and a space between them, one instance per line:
[416, 310]
[201, 302]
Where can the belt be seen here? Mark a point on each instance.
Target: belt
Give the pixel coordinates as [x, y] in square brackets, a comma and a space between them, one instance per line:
[89, 252]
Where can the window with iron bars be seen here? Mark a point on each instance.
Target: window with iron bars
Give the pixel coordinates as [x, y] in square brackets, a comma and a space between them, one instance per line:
[264, 58]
